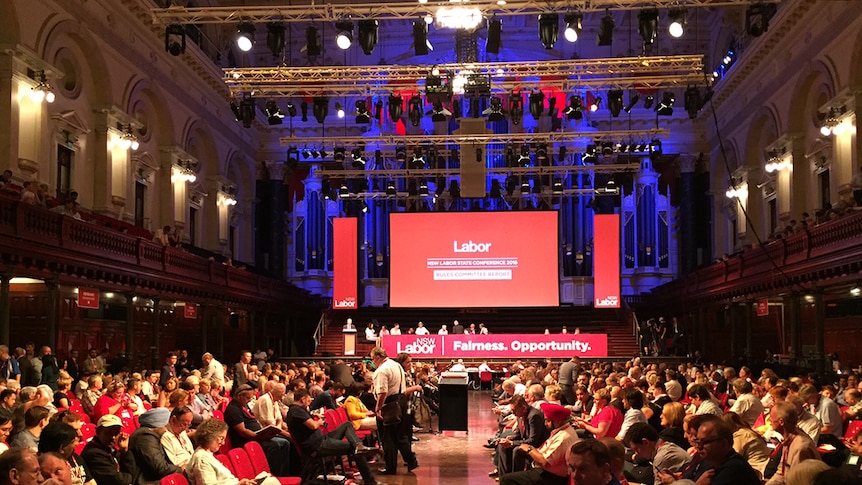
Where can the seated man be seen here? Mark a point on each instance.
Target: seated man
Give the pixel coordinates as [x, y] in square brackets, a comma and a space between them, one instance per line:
[145, 445]
[243, 427]
[329, 398]
[529, 429]
[311, 440]
[549, 460]
[664, 456]
[107, 455]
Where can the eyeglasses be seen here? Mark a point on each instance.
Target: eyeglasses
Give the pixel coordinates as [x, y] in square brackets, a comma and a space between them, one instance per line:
[701, 443]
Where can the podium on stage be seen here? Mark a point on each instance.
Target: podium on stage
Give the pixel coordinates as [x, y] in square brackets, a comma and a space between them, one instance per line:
[349, 334]
[453, 401]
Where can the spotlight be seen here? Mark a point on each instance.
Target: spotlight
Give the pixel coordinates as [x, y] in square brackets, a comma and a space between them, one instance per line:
[648, 101]
[655, 147]
[414, 113]
[304, 108]
[516, 107]
[358, 159]
[344, 37]
[574, 26]
[175, 39]
[542, 153]
[495, 110]
[574, 111]
[855, 291]
[275, 38]
[245, 36]
[524, 157]
[338, 154]
[557, 188]
[363, 116]
[648, 25]
[589, 154]
[246, 111]
[605, 35]
[291, 109]
[525, 187]
[420, 38]
[364, 208]
[438, 112]
[633, 100]
[692, 101]
[390, 188]
[273, 114]
[320, 108]
[343, 192]
[757, 18]
[423, 188]
[596, 103]
[552, 107]
[678, 18]
[339, 110]
[537, 104]
[396, 107]
[495, 31]
[400, 153]
[665, 107]
[368, 35]
[378, 109]
[312, 41]
[418, 161]
[549, 28]
[615, 102]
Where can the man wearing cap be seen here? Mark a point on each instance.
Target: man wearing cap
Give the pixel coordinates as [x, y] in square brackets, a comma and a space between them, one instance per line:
[243, 427]
[549, 460]
[107, 454]
[145, 446]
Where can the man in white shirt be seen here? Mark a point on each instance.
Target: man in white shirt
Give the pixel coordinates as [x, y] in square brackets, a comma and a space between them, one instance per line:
[747, 406]
[483, 330]
[176, 441]
[484, 367]
[389, 385]
[458, 366]
[443, 330]
[420, 329]
[267, 408]
[212, 369]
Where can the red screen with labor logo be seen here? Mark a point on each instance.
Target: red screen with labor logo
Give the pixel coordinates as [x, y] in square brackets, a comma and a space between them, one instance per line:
[474, 259]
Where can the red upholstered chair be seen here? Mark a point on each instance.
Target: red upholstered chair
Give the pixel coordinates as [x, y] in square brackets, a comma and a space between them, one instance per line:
[259, 463]
[853, 427]
[486, 379]
[174, 479]
[241, 463]
[226, 446]
[88, 430]
[225, 460]
[218, 414]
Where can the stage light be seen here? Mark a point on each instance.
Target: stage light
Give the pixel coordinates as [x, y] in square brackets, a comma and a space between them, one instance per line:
[418, 160]
[589, 154]
[438, 112]
[423, 188]
[344, 37]
[596, 103]
[574, 25]
[757, 18]
[339, 110]
[855, 291]
[368, 35]
[692, 101]
[633, 100]
[358, 159]
[525, 187]
[400, 152]
[561, 157]
[541, 153]
[291, 109]
[338, 154]
[273, 113]
[245, 36]
[495, 110]
[516, 107]
[365, 210]
[678, 18]
[605, 35]
[378, 109]
[312, 42]
[552, 106]
[363, 116]
[549, 29]
[420, 38]
[557, 188]
[524, 158]
[665, 107]
[343, 192]
[390, 188]
[655, 147]
[246, 111]
[396, 107]
[175, 39]
[574, 111]
[648, 101]
[414, 113]
[648, 25]
[320, 108]
[537, 104]
[615, 102]
[275, 38]
[495, 33]
[304, 109]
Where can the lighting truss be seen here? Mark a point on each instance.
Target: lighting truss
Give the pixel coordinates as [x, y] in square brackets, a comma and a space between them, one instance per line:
[582, 74]
[517, 138]
[431, 173]
[407, 195]
[407, 10]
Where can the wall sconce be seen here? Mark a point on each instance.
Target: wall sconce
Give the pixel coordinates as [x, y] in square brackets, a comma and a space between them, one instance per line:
[183, 172]
[42, 91]
[738, 192]
[834, 124]
[776, 162]
[227, 200]
[127, 139]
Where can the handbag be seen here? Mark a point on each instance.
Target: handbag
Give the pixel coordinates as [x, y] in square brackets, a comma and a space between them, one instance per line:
[390, 413]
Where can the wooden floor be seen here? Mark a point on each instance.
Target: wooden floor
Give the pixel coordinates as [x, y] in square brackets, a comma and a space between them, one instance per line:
[453, 457]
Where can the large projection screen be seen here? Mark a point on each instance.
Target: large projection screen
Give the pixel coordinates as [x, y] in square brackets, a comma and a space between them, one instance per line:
[474, 259]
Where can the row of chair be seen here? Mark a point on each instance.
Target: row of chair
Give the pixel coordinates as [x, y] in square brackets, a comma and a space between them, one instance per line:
[244, 463]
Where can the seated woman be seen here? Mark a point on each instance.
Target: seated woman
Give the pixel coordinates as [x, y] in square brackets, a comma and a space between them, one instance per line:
[370, 336]
[114, 401]
[608, 420]
[357, 413]
[63, 396]
[672, 418]
[204, 469]
[747, 442]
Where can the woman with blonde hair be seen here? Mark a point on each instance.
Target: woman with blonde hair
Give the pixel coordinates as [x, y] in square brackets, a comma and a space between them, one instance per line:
[672, 420]
[608, 420]
[747, 442]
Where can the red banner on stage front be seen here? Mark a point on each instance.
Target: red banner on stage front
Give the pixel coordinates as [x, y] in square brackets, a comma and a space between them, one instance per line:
[344, 291]
[494, 346]
[606, 254]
